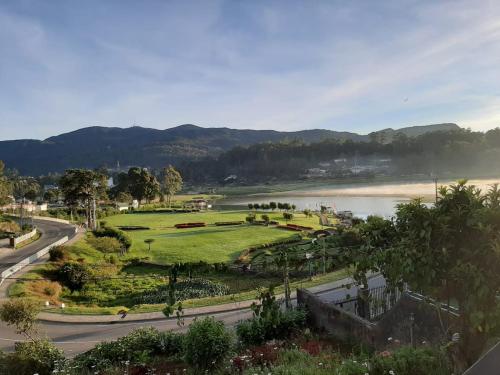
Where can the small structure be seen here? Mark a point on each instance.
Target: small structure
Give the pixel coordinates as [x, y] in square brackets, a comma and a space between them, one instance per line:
[122, 206]
[198, 204]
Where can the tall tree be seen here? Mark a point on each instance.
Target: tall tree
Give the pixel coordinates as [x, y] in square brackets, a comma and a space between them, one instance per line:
[172, 182]
[142, 184]
[450, 251]
[82, 188]
[5, 186]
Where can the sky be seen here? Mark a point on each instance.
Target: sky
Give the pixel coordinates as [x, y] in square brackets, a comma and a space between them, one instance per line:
[262, 64]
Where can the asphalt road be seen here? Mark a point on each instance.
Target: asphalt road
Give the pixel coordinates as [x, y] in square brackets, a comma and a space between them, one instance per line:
[77, 338]
[51, 232]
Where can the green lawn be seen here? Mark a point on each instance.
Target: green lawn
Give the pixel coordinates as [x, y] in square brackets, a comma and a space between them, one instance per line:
[210, 244]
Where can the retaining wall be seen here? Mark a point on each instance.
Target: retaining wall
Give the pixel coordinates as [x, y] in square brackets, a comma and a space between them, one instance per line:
[14, 241]
[32, 258]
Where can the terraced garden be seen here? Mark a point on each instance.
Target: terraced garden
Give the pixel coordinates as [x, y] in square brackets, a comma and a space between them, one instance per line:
[208, 256]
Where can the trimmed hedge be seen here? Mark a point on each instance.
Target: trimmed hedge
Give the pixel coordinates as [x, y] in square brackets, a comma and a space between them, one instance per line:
[133, 227]
[115, 233]
[189, 225]
[221, 223]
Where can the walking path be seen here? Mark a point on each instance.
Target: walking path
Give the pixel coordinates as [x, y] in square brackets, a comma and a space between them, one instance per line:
[335, 288]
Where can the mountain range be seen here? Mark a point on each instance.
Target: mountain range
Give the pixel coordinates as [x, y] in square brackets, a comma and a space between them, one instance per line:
[97, 146]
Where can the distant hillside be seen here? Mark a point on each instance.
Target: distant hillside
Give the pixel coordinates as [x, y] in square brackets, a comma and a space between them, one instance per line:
[386, 135]
[102, 146]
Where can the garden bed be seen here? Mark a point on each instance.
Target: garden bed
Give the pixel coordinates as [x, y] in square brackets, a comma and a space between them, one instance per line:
[133, 227]
[223, 223]
[190, 225]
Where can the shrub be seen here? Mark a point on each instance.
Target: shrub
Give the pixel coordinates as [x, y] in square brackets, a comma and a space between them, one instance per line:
[410, 361]
[269, 321]
[115, 233]
[207, 344]
[287, 216]
[250, 218]
[139, 346]
[74, 275]
[265, 218]
[32, 357]
[105, 244]
[45, 289]
[58, 253]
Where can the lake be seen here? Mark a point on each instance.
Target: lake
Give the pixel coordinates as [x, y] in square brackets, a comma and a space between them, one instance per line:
[360, 206]
[362, 199]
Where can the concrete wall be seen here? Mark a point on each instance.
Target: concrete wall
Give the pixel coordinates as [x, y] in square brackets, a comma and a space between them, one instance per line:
[17, 240]
[30, 259]
[429, 323]
[336, 321]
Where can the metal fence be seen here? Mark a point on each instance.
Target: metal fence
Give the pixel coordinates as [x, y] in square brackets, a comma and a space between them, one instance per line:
[376, 302]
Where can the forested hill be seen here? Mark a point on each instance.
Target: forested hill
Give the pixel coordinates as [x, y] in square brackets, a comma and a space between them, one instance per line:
[106, 146]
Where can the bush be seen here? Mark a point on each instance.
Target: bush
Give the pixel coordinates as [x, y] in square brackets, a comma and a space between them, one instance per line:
[265, 218]
[32, 357]
[410, 361]
[115, 233]
[269, 321]
[74, 275]
[250, 218]
[287, 216]
[105, 244]
[58, 253]
[139, 346]
[258, 330]
[207, 344]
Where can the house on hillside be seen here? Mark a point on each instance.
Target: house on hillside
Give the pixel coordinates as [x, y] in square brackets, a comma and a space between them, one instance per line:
[122, 206]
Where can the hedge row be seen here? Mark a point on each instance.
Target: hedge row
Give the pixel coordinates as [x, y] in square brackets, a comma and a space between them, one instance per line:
[133, 227]
[189, 225]
[221, 223]
[164, 210]
[250, 250]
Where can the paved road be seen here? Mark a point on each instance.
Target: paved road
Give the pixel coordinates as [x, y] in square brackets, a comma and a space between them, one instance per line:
[51, 232]
[77, 338]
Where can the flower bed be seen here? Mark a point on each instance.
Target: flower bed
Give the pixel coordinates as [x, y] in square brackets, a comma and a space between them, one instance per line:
[189, 225]
[133, 227]
[222, 223]
[294, 227]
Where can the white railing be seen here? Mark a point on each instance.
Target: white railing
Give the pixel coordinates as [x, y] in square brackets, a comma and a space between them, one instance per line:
[32, 258]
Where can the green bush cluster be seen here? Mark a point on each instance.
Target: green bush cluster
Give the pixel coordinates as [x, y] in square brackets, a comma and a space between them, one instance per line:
[115, 233]
[31, 357]
[74, 275]
[207, 345]
[105, 244]
[58, 253]
[184, 290]
[138, 347]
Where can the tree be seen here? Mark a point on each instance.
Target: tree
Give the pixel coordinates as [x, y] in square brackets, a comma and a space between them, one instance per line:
[82, 188]
[20, 313]
[24, 188]
[5, 187]
[142, 184]
[450, 252]
[287, 216]
[250, 206]
[51, 195]
[74, 275]
[149, 241]
[172, 182]
[272, 205]
[124, 197]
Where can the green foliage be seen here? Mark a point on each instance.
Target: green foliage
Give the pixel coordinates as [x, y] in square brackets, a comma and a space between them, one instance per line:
[406, 360]
[172, 182]
[138, 347]
[184, 290]
[74, 275]
[58, 253]
[269, 321]
[265, 218]
[20, 313]
[250, 218]
[115, 233]
[105, 244]
[287, 216]
[207, 344]
[31, 357]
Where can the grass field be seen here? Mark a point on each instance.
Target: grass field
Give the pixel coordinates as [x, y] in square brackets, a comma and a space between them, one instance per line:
[210, 244]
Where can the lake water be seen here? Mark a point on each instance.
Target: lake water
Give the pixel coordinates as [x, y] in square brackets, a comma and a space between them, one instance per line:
[360, 206]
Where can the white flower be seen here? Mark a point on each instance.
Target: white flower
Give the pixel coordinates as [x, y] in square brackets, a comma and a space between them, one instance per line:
[391, 372]
[389, 339]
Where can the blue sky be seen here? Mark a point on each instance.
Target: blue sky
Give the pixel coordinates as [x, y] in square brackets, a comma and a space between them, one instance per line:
[285, 65]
